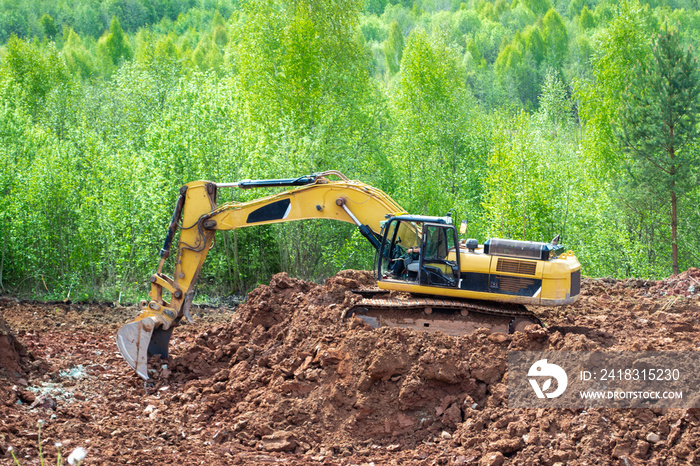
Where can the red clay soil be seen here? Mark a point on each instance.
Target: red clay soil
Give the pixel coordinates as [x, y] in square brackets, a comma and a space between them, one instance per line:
[11, 352]
[284, 379]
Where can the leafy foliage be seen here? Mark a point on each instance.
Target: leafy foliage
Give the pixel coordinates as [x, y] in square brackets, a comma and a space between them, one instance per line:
[431, 144]
[529, 118]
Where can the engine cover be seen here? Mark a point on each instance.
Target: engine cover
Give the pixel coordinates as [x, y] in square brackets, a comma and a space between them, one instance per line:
[521, 249]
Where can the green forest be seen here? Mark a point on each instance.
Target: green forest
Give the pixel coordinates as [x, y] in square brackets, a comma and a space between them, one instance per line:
[527, 118]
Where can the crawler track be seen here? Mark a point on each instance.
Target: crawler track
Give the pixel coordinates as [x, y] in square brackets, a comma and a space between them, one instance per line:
[451, 316]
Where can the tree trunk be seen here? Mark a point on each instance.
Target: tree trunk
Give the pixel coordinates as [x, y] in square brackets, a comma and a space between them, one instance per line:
[237, 265]
[674, 228]
[2, 262]
[674, 205]
[227, 250]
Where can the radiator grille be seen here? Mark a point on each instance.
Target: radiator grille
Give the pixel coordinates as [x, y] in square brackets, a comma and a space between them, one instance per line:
[514, 284]
[516, 266]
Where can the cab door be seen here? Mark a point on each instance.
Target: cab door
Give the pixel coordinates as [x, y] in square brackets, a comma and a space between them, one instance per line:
[387, 252]
[439, 257]
[399, 236]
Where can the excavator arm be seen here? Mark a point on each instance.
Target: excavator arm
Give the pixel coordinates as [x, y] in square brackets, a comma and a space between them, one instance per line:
[198, 217]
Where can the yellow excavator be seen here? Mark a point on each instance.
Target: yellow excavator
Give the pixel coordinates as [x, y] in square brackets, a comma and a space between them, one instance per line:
[426, 277]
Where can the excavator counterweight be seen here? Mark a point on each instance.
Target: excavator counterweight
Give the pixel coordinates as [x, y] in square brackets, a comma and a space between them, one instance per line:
[454, 287]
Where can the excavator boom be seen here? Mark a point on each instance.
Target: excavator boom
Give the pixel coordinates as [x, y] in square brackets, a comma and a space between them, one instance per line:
[198, 216]
[466, 285]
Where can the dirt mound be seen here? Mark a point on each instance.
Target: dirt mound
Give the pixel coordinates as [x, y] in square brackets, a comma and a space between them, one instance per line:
[285, 379]
[287, 374]
[11, 351]
[683, 284]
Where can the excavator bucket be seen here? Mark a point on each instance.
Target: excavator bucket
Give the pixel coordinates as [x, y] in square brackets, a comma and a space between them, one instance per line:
[133, 340]
[139, 339]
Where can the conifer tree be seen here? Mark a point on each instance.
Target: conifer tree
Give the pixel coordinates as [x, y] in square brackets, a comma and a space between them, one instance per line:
[49, 26]
[556, 38]
[116, 43]
[659, 124]
[586, 19]
[393, 48]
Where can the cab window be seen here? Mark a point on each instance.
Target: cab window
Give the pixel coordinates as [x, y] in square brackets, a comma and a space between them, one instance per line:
[399, 254]
[439, 265]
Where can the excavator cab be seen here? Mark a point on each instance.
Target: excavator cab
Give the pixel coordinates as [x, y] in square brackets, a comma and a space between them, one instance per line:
[419, 249]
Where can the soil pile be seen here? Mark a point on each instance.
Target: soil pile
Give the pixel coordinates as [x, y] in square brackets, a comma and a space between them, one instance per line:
[11, 352]
[289, 375]
[286, 379]
[683, 284]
